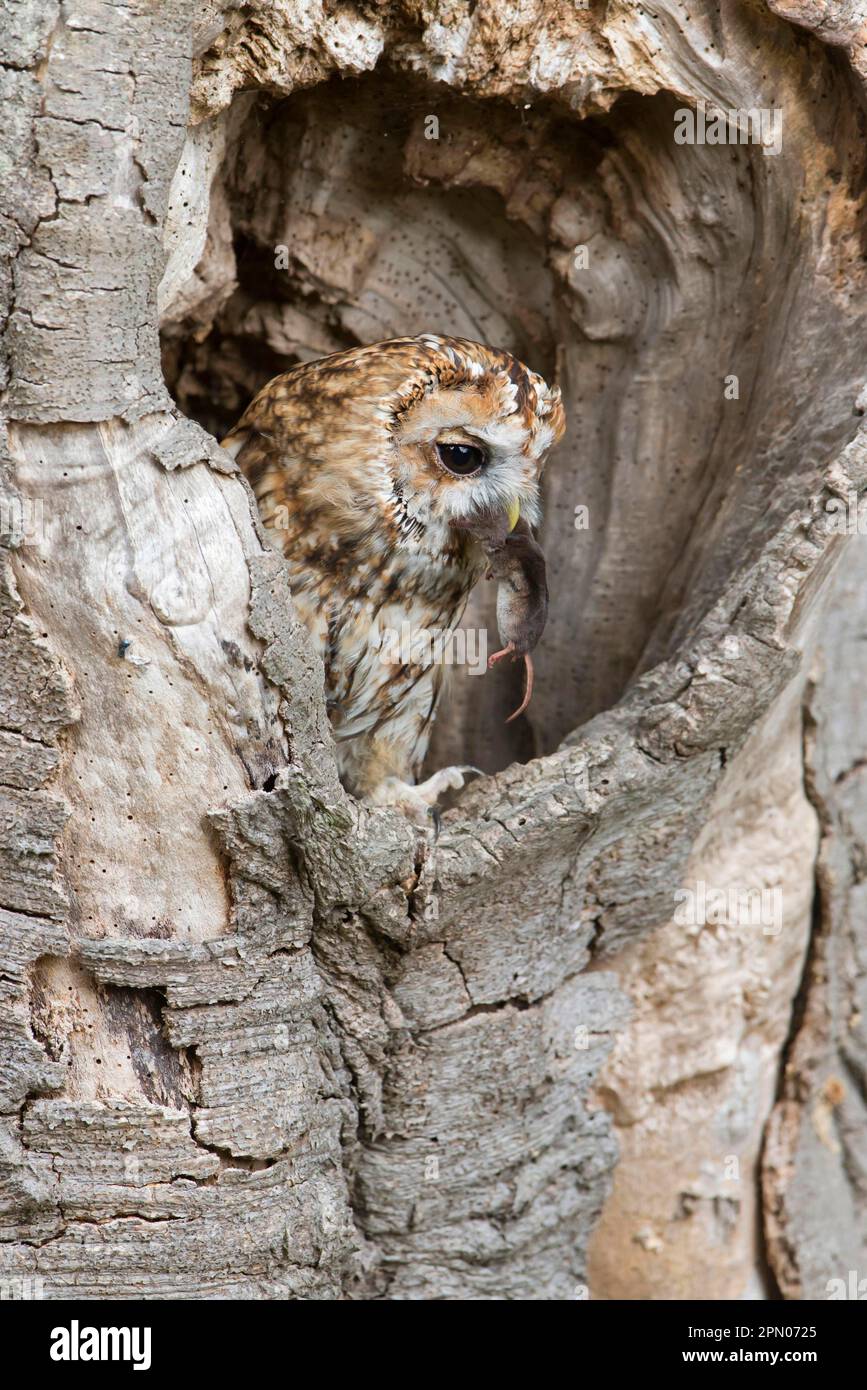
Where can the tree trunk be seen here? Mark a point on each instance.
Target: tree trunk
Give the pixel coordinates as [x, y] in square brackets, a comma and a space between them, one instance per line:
[262, 1041]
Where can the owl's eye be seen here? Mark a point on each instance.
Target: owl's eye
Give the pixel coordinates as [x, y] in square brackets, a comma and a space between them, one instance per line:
[462, 459]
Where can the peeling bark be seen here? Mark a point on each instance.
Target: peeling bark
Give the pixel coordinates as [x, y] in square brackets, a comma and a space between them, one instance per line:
[260, 1040]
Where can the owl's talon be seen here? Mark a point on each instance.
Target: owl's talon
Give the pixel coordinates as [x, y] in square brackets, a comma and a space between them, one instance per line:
[411, 801]
[447, 779]
[418, 803]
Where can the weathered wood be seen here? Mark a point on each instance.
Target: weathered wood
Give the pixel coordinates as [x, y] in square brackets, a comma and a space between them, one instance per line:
[814, 1153]
[263, 1041]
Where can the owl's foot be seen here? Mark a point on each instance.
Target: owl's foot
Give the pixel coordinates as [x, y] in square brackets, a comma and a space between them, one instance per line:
[418, 803]
[447, 779]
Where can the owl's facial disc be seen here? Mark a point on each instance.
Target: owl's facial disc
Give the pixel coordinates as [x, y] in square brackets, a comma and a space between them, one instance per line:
[460, 453]
[465, 474]
[469, 460]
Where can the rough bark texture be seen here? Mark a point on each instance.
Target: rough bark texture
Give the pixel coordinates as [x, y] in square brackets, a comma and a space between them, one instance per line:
[815, 1162]
[261, 1041]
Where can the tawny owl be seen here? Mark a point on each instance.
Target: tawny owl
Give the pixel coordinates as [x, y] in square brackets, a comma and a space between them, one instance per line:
[389, 476]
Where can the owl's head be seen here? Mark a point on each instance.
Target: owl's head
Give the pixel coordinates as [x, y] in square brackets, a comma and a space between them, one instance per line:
[413, 435]
[468, 432]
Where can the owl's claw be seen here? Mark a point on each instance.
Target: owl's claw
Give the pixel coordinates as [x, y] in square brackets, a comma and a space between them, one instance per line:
[418, 803]
[447, 779]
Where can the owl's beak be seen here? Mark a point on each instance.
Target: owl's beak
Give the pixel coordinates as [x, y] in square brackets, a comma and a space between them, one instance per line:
[491, 528]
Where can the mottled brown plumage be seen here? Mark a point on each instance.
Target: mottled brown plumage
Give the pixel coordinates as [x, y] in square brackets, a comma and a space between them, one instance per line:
[358, 462]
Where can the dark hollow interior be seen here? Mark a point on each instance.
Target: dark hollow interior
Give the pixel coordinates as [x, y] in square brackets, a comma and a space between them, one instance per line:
[700, 268]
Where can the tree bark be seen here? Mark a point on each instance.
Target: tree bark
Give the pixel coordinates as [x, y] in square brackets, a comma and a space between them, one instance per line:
[262, 1041]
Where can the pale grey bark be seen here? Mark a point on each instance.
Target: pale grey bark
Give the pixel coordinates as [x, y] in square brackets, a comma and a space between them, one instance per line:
[258, 1040]
[815, 1161]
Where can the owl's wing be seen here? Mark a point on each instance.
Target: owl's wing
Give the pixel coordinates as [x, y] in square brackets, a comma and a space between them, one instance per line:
[252, 448]
[235, 441]
[266, 450]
